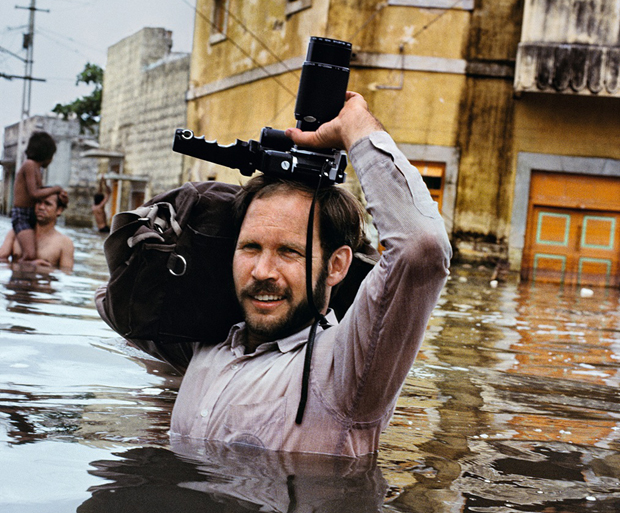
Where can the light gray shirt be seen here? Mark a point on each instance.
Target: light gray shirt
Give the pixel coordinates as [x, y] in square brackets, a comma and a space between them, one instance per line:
[359, 365]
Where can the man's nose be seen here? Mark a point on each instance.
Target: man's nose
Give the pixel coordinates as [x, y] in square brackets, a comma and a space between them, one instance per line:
[265, 267]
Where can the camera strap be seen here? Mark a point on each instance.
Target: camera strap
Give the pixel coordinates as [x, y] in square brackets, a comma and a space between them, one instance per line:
[319, 318]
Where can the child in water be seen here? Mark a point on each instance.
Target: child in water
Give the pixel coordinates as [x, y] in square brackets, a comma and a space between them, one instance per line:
[28, 189]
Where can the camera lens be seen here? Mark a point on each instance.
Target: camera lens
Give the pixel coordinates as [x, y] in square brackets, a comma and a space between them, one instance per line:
[323, 83]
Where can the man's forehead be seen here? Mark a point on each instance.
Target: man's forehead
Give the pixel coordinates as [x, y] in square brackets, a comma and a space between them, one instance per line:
[284, 215]
[52, 199]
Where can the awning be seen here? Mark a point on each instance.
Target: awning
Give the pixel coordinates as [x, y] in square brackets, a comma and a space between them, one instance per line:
[128, 178]
[100, 153]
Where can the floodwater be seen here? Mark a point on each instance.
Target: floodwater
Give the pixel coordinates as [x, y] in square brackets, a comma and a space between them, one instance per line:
[512, 406]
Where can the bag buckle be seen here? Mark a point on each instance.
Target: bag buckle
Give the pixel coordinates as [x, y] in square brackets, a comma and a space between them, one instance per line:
[177, 265]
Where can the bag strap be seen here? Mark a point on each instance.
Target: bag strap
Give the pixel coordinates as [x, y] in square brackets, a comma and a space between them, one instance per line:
[156, 218]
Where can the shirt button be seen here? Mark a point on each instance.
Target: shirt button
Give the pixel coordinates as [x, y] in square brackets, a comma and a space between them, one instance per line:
[204, 413]
[235, 366]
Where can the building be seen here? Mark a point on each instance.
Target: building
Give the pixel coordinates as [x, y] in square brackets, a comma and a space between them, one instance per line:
[76, 175]
[144, 89]
[510, 108]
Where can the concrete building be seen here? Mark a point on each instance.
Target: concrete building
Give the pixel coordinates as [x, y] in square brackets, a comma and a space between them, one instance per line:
[144, 89]
[510, 108]
[76, 175]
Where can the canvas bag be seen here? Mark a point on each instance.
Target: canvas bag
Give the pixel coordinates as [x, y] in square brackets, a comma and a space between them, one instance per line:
[170, 264]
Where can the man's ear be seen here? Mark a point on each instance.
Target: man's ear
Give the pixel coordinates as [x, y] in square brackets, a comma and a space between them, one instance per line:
[338, 265]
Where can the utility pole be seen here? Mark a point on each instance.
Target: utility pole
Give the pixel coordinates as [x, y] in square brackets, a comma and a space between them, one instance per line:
[28, 45]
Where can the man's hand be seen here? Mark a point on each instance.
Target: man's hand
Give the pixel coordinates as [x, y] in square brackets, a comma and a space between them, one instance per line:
[354, 122]
[64, 196]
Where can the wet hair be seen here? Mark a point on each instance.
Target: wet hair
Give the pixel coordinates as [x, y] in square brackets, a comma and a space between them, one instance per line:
[59, 202]
[98, 198]
[41, 147]
[341, 216]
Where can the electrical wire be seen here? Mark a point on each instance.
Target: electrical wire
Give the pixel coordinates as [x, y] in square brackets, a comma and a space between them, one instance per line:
[243, 51]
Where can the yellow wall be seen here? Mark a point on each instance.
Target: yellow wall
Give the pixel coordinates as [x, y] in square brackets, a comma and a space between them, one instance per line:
[568, 125]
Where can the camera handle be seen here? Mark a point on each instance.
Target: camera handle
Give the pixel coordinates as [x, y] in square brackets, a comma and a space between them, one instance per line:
[274, 155]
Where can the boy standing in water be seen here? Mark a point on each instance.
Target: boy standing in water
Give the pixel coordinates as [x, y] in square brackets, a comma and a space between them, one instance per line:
[28, 189]
[101, 198]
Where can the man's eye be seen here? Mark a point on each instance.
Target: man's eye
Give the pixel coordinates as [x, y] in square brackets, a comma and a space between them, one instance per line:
[250, 246]
[291, 252]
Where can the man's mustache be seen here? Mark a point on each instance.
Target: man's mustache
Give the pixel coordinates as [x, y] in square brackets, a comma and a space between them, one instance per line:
[265, 287]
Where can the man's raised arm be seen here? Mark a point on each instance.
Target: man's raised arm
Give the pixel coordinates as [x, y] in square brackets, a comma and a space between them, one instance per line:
[381, 334]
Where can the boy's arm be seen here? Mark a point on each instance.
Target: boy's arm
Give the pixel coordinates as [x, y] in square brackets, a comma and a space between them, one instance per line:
[103, 186]
[106, 195]
[33, 185]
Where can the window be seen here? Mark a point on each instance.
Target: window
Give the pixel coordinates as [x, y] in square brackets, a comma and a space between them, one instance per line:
[433, 176]
[293, 6]
[219, 21]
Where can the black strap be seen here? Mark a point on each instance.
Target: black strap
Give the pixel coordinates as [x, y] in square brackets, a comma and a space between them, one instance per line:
[318, 317]
[305, 379]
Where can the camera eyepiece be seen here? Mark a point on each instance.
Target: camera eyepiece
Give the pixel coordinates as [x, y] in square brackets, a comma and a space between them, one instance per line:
[323, 83]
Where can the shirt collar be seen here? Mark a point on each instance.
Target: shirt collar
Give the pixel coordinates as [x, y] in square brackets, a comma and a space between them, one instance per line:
[237, 336]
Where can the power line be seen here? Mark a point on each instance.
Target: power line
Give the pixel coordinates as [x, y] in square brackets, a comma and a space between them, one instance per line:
[56, 38]
[244, 52]
[5, 50]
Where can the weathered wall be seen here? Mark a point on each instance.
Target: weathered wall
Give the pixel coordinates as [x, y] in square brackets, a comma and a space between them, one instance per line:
[571, 46]
[143, 102]
[223, 109]
[485, 133]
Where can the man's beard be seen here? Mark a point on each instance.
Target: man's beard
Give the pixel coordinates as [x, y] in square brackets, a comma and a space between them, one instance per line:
[43, 220]
[297, 318]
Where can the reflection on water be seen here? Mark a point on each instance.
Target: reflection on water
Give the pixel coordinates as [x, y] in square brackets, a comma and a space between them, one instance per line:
[512, 406]
[212, 477]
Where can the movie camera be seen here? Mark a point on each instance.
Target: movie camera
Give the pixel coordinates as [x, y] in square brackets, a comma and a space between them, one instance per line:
[321, 95]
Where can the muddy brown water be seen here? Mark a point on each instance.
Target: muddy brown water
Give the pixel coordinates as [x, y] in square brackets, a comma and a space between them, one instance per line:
[512, 406]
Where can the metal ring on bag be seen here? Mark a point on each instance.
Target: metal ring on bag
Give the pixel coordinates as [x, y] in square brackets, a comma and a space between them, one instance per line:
[177, 258]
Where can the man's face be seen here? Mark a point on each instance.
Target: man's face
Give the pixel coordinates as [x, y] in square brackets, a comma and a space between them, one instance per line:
[47, 210]
[269, 266]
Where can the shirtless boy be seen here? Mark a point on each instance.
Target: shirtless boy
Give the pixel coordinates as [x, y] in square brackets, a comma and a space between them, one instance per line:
[54, 249]
[28, 190]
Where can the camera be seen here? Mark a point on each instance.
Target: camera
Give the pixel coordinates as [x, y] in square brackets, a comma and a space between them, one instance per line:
[321, 95]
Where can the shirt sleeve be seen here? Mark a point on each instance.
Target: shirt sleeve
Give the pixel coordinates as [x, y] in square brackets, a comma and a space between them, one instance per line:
[379, 337]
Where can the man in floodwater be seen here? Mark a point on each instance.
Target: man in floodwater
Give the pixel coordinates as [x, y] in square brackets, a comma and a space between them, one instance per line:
[54, 249]
[247, 389]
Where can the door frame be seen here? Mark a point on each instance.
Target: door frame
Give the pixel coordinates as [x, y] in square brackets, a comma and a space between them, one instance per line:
[526, 164]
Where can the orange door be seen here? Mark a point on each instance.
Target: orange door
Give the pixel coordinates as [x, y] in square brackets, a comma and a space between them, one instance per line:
[573, 235]
[574, 247]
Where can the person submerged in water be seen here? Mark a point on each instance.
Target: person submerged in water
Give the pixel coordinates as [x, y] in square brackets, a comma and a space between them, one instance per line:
[53, 249]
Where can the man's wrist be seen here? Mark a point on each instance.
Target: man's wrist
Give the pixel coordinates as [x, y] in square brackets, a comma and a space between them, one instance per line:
[364, 128]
